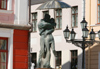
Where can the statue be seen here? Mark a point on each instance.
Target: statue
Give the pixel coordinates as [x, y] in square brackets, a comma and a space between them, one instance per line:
[46, 27]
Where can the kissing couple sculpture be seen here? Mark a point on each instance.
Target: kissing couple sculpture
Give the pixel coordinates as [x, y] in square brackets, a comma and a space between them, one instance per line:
[46, 27]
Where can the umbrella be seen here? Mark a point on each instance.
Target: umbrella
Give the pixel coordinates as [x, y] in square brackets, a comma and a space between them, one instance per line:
[53, 4]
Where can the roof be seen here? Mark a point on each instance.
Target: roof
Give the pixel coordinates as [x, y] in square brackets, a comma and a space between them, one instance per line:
[33, 2]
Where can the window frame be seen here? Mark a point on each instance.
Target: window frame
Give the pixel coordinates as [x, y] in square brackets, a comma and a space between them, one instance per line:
[74, 15]
[59, 16]
[75, 57]
[32, 59]
[44, 12]
[6, 51]
[3, 8]
[33, 21]
[60, 59]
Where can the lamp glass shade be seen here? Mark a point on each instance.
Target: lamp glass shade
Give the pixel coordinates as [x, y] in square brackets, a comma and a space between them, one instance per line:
[85, 32]
[66, 33]
[72, 35]
[92, 35]
[83, 23]
[99, 34]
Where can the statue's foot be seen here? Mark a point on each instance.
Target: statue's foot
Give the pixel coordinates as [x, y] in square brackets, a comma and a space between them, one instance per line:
[38, 67]
[50, 67]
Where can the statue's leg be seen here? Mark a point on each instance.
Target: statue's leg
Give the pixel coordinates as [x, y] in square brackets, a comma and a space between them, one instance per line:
[48, 54]
[53, 47]
[41, 52]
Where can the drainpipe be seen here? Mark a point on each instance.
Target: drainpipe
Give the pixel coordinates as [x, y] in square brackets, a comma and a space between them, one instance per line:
[83, 8]
[29, 36]
[85, 19]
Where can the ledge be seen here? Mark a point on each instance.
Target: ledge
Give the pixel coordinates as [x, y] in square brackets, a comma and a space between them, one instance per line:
[94, 25]
[13, 26]
[6, 11]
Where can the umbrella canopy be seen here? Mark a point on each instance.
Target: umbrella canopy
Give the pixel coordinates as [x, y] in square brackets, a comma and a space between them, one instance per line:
[53, 4]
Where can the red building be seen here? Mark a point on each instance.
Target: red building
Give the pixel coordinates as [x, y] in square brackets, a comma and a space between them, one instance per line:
[14, 34]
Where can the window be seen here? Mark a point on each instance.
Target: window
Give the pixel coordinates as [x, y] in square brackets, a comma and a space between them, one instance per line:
[34, 21]
[74, 18]
[33, 59]
[45, 12]
[3, 4]
[3, 53]
[58, 19]
[58, 60]
[98, 12]
[74, 59]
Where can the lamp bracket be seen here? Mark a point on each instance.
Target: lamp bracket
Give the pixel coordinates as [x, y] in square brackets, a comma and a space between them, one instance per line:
[78, 42]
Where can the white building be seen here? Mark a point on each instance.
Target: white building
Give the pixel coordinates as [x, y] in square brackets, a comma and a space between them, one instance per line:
[66, 51]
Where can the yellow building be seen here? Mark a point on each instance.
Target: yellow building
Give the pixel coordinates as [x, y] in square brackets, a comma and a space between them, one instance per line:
[93, 18]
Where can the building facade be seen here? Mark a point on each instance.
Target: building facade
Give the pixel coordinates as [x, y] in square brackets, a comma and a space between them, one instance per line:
[92, 17]
[14, 32]
[69, 55]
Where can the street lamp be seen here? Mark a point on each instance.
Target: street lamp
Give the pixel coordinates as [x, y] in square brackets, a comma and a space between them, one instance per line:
[66, 33]
[83, 43]
[85, 32]
[92, 35]
[83, 23]
[72, 35]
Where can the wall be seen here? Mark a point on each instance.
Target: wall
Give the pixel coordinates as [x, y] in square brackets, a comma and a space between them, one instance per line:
[21, 12]
[60, 43]
[7, 16]
[20, 49]
[92, 54]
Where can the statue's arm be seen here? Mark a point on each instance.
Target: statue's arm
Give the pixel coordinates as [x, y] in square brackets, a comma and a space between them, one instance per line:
[49, 31]
[43, 24]
[41, 31]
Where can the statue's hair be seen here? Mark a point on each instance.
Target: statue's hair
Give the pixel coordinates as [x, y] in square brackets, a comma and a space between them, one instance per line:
[47, 18]
[52, 20]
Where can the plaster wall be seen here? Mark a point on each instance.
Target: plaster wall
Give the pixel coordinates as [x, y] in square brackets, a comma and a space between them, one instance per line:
[60, 43]
[92, 55]
[21, 12]
[91, 12]
[7, 16]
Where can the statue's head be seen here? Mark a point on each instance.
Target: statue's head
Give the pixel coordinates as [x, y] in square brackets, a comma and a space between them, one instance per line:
[47, 17]
[52, 20]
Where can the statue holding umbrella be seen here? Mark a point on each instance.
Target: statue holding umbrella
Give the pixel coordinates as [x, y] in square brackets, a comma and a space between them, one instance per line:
[46, 28]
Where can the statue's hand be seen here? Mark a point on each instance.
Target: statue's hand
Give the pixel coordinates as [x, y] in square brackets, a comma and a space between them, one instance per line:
[55, 53]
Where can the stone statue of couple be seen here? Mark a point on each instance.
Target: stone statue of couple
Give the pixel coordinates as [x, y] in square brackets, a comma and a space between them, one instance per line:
[46, 27]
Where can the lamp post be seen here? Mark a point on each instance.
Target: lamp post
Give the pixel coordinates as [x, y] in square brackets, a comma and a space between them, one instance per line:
[83, 43]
